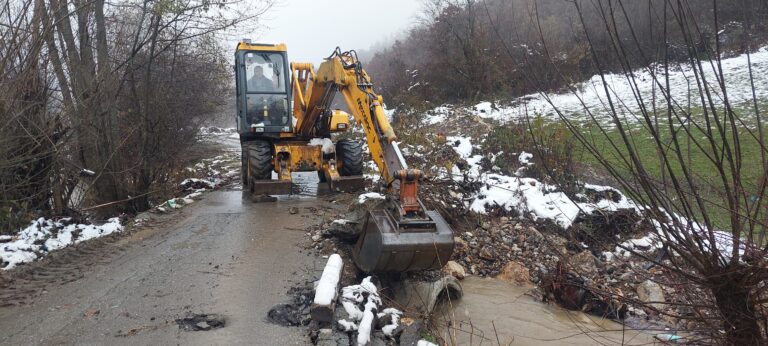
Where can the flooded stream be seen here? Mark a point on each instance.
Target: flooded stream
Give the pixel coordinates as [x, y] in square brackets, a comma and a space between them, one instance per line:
[494, 312]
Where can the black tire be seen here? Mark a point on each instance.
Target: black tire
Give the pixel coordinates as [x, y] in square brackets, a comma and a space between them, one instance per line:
[243, 165]
[349, 155]
[260, 160]
[321, 177]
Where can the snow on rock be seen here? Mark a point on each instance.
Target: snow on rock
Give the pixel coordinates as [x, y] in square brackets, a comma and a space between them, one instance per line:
[366, 323]
[362, 302]
[347, 325]
[369, 195]
[395, 315]
[526, 195]
[326, 287]
[326, 143]
[353, 297]
[45, 235]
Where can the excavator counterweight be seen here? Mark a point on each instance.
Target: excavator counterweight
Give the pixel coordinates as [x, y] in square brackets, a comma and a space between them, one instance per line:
[286, 123]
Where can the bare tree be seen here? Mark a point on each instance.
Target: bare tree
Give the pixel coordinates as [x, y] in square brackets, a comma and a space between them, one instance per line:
[709, 213]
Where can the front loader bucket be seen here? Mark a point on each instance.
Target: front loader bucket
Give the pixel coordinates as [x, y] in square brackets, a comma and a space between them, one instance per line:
[271, 187]
[390, 244]
[348, 184]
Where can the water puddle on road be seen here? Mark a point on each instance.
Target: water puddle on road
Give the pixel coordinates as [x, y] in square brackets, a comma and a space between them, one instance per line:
[495, 312]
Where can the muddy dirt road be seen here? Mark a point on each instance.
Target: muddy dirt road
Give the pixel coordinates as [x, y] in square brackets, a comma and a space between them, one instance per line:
[220, 259]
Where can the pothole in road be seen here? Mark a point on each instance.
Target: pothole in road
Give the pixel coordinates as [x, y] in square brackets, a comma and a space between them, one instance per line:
[201, 322]
[296, 312]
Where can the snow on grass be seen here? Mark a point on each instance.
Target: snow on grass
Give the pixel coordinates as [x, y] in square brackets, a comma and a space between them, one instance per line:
[369, 195]
[525, 158]
[326, 143]
[438, 115]
[198, 183]
[683, 88]
[463, 146]
[45, 235]
[329, 280]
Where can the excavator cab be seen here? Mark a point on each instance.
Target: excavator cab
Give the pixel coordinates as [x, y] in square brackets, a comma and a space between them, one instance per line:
[263, 90]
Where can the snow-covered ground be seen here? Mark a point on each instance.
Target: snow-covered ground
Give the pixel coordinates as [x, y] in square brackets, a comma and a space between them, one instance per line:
[525, 195]
[591, 94]
[537, 200]
[45, 235]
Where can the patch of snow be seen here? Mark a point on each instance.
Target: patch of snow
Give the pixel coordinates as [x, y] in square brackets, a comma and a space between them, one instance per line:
[329, 280]
[425, 343]
[45, 235]
[395, 315]
[438, 115]
[366, 295]
[526, 195]
[591, 95]
[369, 195]
[525, 158]
[191, 181]
[347, 325]
[326, 143]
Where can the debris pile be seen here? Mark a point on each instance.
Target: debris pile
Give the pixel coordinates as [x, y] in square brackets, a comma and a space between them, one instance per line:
[208, 174]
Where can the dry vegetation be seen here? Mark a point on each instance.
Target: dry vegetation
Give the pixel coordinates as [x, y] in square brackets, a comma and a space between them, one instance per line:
[99, 101]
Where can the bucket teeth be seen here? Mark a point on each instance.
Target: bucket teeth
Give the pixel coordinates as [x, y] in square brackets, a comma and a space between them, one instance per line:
[390, 244]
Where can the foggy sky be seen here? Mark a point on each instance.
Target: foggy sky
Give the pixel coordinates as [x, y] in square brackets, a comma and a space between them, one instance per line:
[313, 28]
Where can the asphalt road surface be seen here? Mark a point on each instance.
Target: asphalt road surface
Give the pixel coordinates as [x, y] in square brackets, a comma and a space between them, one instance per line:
[223, 258]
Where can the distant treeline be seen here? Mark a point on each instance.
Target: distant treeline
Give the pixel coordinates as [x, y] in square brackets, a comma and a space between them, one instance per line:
[467, 50]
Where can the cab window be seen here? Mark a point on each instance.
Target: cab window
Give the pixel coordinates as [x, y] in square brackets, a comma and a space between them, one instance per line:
[264, 72]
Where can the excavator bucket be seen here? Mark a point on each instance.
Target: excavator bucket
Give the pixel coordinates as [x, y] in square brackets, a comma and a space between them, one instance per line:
[397, 244]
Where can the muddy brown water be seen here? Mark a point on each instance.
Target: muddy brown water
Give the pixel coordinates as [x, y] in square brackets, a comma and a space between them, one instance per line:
[495, 312]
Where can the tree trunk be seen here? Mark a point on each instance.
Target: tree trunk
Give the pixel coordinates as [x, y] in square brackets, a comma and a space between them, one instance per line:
[740, 322]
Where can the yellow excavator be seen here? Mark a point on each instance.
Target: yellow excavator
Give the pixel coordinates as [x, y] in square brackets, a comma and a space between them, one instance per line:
[285, 121]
